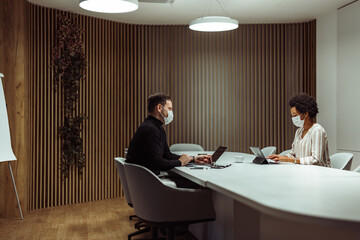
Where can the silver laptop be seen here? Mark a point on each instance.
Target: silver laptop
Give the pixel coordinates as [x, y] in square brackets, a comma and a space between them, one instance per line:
[260, 158]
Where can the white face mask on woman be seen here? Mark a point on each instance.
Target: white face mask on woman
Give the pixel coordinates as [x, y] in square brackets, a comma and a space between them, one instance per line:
[297, 121]
[169, 118]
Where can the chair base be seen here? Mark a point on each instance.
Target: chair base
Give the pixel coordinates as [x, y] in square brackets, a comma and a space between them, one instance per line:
[141, 231]
[154, 233]
[140, 224]
[133, 217]
[170, 227]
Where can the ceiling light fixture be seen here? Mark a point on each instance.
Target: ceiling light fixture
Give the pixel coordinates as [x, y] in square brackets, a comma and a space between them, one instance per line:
[109, 6]
[214, 23]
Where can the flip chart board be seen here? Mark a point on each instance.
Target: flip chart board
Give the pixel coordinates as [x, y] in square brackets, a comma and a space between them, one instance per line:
[6, 152]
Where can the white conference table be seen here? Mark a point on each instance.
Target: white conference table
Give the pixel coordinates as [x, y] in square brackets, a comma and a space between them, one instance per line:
[278, 201]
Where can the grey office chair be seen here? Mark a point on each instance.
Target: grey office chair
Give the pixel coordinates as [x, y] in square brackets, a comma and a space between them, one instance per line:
[267, 151]
[357, 169]
[341, 160]
[162, 206]
[142, 228]
[185, 147]
[286, 152]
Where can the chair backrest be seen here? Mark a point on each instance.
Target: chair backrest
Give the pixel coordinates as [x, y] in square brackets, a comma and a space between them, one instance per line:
[341, 160]
[286, 152]
[267, 151]
[357, 169]
[119, 162]
[186, 147]
[146, 190]
[155, 202]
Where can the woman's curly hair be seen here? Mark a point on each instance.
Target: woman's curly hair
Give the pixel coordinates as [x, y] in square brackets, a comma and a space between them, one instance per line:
[304, 103]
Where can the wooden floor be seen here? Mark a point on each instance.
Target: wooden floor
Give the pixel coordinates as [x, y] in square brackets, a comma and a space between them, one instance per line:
[108, 219]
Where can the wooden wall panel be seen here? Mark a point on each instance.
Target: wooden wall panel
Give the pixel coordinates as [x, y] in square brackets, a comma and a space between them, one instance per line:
[228, 88]
[13, 59]
[233, 88]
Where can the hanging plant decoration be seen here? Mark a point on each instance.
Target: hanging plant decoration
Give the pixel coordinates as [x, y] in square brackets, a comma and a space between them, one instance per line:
[69, 68]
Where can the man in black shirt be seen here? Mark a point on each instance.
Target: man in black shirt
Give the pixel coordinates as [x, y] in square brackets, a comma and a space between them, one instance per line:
[149, 147]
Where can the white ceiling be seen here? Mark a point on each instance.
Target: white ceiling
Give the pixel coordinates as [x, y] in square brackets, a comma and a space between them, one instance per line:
[184, 11]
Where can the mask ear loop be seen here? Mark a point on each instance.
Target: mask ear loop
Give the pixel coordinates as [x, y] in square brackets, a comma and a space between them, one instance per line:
[160, 105]
[161, 113]
[305, 117]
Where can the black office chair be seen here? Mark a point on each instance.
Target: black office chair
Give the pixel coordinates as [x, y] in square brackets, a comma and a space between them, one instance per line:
[164, 206]
[140, 225]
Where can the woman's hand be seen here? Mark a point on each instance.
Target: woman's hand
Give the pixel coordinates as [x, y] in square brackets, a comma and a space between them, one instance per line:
[281, 158]
[203, 159]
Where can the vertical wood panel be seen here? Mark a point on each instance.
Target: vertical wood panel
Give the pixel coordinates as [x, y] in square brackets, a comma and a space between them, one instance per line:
[228, 88]
[13, 64]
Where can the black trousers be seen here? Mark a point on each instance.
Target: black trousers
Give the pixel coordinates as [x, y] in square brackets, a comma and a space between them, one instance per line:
[180, 181]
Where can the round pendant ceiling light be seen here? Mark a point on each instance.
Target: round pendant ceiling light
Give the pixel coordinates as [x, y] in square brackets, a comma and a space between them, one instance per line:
[109, 6]
[214, 24]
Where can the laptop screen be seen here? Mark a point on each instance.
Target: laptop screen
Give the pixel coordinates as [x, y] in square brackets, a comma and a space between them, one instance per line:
[217, 154]
[257, 152]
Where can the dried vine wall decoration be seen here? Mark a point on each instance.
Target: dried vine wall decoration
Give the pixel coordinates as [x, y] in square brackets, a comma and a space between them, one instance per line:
[69, 68]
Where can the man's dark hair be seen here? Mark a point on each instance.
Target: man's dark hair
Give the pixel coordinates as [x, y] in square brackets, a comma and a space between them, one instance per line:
[304, 103]
[155, 99]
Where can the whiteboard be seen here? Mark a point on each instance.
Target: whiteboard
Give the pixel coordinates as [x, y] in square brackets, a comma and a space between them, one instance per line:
[6, 152]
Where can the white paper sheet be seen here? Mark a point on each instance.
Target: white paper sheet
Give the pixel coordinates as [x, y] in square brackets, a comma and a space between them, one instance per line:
[6, 152]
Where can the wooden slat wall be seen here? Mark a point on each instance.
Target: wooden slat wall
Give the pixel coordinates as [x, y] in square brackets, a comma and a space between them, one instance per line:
[13, 64]
[228, 88]
[233, 88]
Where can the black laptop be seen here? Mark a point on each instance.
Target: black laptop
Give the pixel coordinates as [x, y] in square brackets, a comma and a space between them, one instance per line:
[216, 155]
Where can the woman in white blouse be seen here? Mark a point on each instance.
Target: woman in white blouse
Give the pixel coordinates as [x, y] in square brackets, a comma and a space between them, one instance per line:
[310, 144]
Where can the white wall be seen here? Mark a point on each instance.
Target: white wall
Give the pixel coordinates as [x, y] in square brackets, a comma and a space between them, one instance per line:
[326, 72]
[338, 79]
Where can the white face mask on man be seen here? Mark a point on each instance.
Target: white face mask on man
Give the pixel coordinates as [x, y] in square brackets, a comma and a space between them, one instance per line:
[297, 121]
[169, 118]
